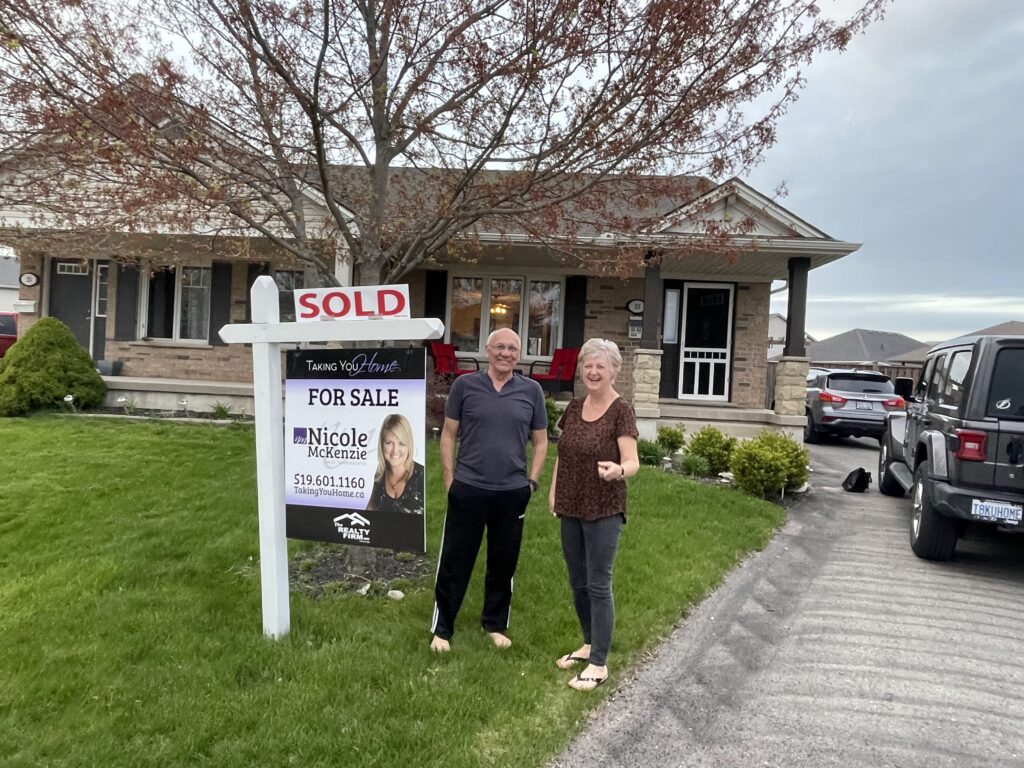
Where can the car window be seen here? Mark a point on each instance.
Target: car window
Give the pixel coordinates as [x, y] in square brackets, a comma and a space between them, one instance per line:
[926, 376]
[853, 382]
[953, 386]
[1006, 395]
[7, 326]
[938, 376]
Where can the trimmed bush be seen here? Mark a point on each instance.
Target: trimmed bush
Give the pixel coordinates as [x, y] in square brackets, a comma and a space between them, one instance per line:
[768, 463]
[715, 447]
[554, 414]
[671, 439]
[44, 365]
[693, 465]
[650, 453]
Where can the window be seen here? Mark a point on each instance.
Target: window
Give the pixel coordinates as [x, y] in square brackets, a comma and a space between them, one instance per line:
[860, 383]
[952, 390]
[532, 307]
[938, 377]
[1006, 394]
[289, 279]
[177, 303]
[102, 289]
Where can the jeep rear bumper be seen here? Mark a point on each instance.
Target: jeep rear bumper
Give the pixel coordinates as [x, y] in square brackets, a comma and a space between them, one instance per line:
[954, 501]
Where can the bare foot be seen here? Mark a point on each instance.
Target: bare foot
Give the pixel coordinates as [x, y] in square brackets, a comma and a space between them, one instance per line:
[440, 645]
[570, 660]
[499, 640]
[589, 678]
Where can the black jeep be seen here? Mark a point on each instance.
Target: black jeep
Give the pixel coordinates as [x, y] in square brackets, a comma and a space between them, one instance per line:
[960, 444]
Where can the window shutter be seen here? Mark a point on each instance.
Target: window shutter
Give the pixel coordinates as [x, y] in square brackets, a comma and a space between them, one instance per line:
[127, 306]
[254, 271]
[436, 294]
[575, 311]
[220, 299]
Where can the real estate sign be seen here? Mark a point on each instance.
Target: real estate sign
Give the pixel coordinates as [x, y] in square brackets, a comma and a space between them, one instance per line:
[355, 421]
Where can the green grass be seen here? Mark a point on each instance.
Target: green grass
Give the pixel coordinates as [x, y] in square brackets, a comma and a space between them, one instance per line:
[131, 628]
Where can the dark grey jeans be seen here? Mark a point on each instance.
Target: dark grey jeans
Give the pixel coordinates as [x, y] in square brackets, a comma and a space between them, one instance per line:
[589, 549]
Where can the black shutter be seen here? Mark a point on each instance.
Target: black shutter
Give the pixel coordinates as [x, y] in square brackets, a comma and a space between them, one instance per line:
[575, 311]
[127, 302]
[436, 294]
[220, 299]
[255, 270]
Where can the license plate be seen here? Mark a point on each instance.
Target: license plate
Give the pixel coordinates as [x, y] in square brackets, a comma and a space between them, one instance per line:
[996, 511]
[863, 406]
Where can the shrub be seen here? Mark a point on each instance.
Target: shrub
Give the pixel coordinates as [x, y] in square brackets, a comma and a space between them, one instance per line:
[715, 447]
[554, 414]
[45, 365]
[768, 463]
[222, 410]
[671, 439]
[693, 465]
[650, 453]
[437, 396]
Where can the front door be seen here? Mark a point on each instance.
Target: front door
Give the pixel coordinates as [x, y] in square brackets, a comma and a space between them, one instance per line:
[78, 298]
[705, 355]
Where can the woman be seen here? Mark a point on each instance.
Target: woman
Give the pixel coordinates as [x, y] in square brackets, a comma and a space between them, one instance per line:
[398, 483]
[596, 453]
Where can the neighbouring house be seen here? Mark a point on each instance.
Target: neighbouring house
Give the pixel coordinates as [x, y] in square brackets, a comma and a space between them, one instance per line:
[777, 335]
[860, 347]
[9, 271]
[694, 329]
[917, 356]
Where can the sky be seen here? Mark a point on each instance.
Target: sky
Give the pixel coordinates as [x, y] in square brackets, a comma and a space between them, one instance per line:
[912, 143]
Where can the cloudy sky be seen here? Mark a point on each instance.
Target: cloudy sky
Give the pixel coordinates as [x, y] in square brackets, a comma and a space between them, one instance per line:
[912, 143]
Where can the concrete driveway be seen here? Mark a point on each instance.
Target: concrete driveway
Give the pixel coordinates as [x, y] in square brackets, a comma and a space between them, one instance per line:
[835, 646]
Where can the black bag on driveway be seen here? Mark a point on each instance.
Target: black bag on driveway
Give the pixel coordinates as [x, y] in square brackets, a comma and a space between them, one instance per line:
[857, 481]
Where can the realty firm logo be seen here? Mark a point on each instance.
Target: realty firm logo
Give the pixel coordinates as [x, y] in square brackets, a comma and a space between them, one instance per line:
[353, 527]
[300, 435]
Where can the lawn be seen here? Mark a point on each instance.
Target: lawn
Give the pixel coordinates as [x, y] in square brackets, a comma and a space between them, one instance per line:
[130, 615]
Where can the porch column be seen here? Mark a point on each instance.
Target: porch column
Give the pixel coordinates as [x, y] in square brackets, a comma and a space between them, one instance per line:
[646, 382]
[791, 386]
[29, 304]
[796, 311]
[652, 304]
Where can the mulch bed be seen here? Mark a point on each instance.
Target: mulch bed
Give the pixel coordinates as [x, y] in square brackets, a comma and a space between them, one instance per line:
[328, 569]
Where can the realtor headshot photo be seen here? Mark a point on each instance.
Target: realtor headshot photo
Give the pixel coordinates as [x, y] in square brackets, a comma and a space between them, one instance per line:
[398, 484]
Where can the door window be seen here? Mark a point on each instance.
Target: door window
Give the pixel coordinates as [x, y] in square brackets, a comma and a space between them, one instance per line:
[952, 390]
[938, 375]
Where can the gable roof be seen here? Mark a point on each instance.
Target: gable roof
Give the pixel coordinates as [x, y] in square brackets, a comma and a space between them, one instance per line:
[861, 345]
[1008, 328]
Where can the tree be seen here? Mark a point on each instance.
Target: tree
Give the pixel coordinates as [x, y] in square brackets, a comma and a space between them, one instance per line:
[419, 125]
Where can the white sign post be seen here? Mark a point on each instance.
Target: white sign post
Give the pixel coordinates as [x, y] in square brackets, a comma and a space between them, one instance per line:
[266, 333]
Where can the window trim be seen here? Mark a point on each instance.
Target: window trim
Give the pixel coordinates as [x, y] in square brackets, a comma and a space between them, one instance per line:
[142, 326]
[526, 277]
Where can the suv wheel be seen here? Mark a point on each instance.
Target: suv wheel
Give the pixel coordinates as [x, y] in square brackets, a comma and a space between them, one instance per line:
[887, 484]
[811, 434]
[932, 535]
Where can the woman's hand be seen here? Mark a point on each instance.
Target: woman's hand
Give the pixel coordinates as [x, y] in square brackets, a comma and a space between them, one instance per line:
[610, 471]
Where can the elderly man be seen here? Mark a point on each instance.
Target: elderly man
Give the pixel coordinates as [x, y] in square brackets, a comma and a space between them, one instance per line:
[493, 412]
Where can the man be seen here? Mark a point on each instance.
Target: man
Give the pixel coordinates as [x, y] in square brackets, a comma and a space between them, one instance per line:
[493, 412]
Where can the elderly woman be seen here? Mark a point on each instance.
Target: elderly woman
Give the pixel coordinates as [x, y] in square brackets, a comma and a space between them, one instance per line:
[398, 483]
[596, 453]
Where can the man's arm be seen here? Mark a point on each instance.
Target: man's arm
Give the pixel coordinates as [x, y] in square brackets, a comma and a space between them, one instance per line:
[448, 434]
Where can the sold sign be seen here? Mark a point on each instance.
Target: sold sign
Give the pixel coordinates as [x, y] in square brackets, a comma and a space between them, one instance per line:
[359, 303]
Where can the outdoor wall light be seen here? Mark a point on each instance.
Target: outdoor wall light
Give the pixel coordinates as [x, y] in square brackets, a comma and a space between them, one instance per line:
[121, 400]
[69, 398]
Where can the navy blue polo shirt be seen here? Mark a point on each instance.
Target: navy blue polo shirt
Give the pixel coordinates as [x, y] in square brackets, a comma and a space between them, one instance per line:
[494, 427]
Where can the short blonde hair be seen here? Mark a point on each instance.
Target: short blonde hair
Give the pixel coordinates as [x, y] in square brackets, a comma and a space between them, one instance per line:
[402, 429]
[609, 349]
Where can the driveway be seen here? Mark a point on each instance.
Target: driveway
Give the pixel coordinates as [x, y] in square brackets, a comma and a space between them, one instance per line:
[835, 646]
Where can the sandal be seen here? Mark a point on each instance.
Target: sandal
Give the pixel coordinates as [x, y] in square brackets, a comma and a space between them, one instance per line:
[569, 661]
[589, 683]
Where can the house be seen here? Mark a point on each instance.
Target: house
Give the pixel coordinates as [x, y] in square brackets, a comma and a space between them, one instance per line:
[860, 346]
[8, 281]
[777, 335]
[692, 324]
[1009, 328]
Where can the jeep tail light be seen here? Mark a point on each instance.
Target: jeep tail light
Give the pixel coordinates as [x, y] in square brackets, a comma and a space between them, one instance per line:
[828, 397]
[896, 402]
[972, 445]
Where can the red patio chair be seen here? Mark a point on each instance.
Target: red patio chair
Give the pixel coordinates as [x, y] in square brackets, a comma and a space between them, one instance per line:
[561, 373]
[446, 363]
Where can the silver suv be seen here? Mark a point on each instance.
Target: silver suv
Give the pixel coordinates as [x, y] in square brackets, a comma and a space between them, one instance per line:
[849, 403]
